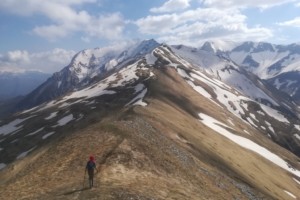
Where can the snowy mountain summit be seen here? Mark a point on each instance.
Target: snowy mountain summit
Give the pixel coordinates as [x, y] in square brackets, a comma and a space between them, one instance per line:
[85, 67]
[277, 64]
[93, 62]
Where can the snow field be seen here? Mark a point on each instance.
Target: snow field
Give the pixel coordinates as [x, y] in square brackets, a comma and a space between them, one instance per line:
[246, 143]
[274, 113]
[244, 85]
[11, 127]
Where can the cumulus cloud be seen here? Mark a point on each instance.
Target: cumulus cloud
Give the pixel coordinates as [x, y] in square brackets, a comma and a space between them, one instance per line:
[172, 5]
[198, 25]
[48, 61]
[17, 56]
[67, 19]
[293, 23]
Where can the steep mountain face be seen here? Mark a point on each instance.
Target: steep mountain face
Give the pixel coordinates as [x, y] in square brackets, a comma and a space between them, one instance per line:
[256, 95]
[169, 124]
[277, 64]
[86, 66]
[19, 84]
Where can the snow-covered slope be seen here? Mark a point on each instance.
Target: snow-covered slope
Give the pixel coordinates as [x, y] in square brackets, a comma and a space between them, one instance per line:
[225, 71]
[277, 64]
[267, 60]
[85, 68]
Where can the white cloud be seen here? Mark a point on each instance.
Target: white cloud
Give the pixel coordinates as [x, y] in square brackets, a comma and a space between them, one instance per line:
[195, 26]
[49, 61]
[172, 5]
[66, 18]
[17, 56]
[243, 4]
[293, 23]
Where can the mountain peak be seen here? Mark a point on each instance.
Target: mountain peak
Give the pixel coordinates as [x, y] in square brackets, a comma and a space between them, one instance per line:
[209, 46]
[218, 45]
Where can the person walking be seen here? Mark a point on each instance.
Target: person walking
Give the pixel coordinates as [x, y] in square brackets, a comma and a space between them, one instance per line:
[90, 167]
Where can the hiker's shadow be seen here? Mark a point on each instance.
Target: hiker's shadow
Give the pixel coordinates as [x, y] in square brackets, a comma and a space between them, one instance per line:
[78, 190]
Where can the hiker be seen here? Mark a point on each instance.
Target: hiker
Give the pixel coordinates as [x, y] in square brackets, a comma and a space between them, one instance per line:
[90, 167]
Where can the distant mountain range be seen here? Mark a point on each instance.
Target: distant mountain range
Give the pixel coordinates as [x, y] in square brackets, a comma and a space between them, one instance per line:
[20, 84]
[164, 121]
[279, 65]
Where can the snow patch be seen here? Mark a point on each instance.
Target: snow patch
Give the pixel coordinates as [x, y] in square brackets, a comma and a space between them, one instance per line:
[11, 126]
[296, 181]
[230, 121]
[14, 141]
[297, 136]
[261, 113]
[270, 127]
[274, 113]
[253, 117]
[246, 143]
[35, 132]
[183, 74]
[139, 98]
[2, 165]
[200, 90]
[23, 154]
[63, 121]
[247, 132]
[251, 122]
[52, 115]
[139, 87]
[297, 126]
[292, 195]
[47, 135]
[150, 58]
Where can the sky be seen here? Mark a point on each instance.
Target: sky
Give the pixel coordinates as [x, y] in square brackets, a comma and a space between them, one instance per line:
[45, 35]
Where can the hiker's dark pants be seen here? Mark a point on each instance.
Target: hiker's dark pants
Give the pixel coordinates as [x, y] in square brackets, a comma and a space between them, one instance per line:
[91, 177]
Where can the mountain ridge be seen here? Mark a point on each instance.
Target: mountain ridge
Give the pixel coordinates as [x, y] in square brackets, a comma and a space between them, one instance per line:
[162, 126]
